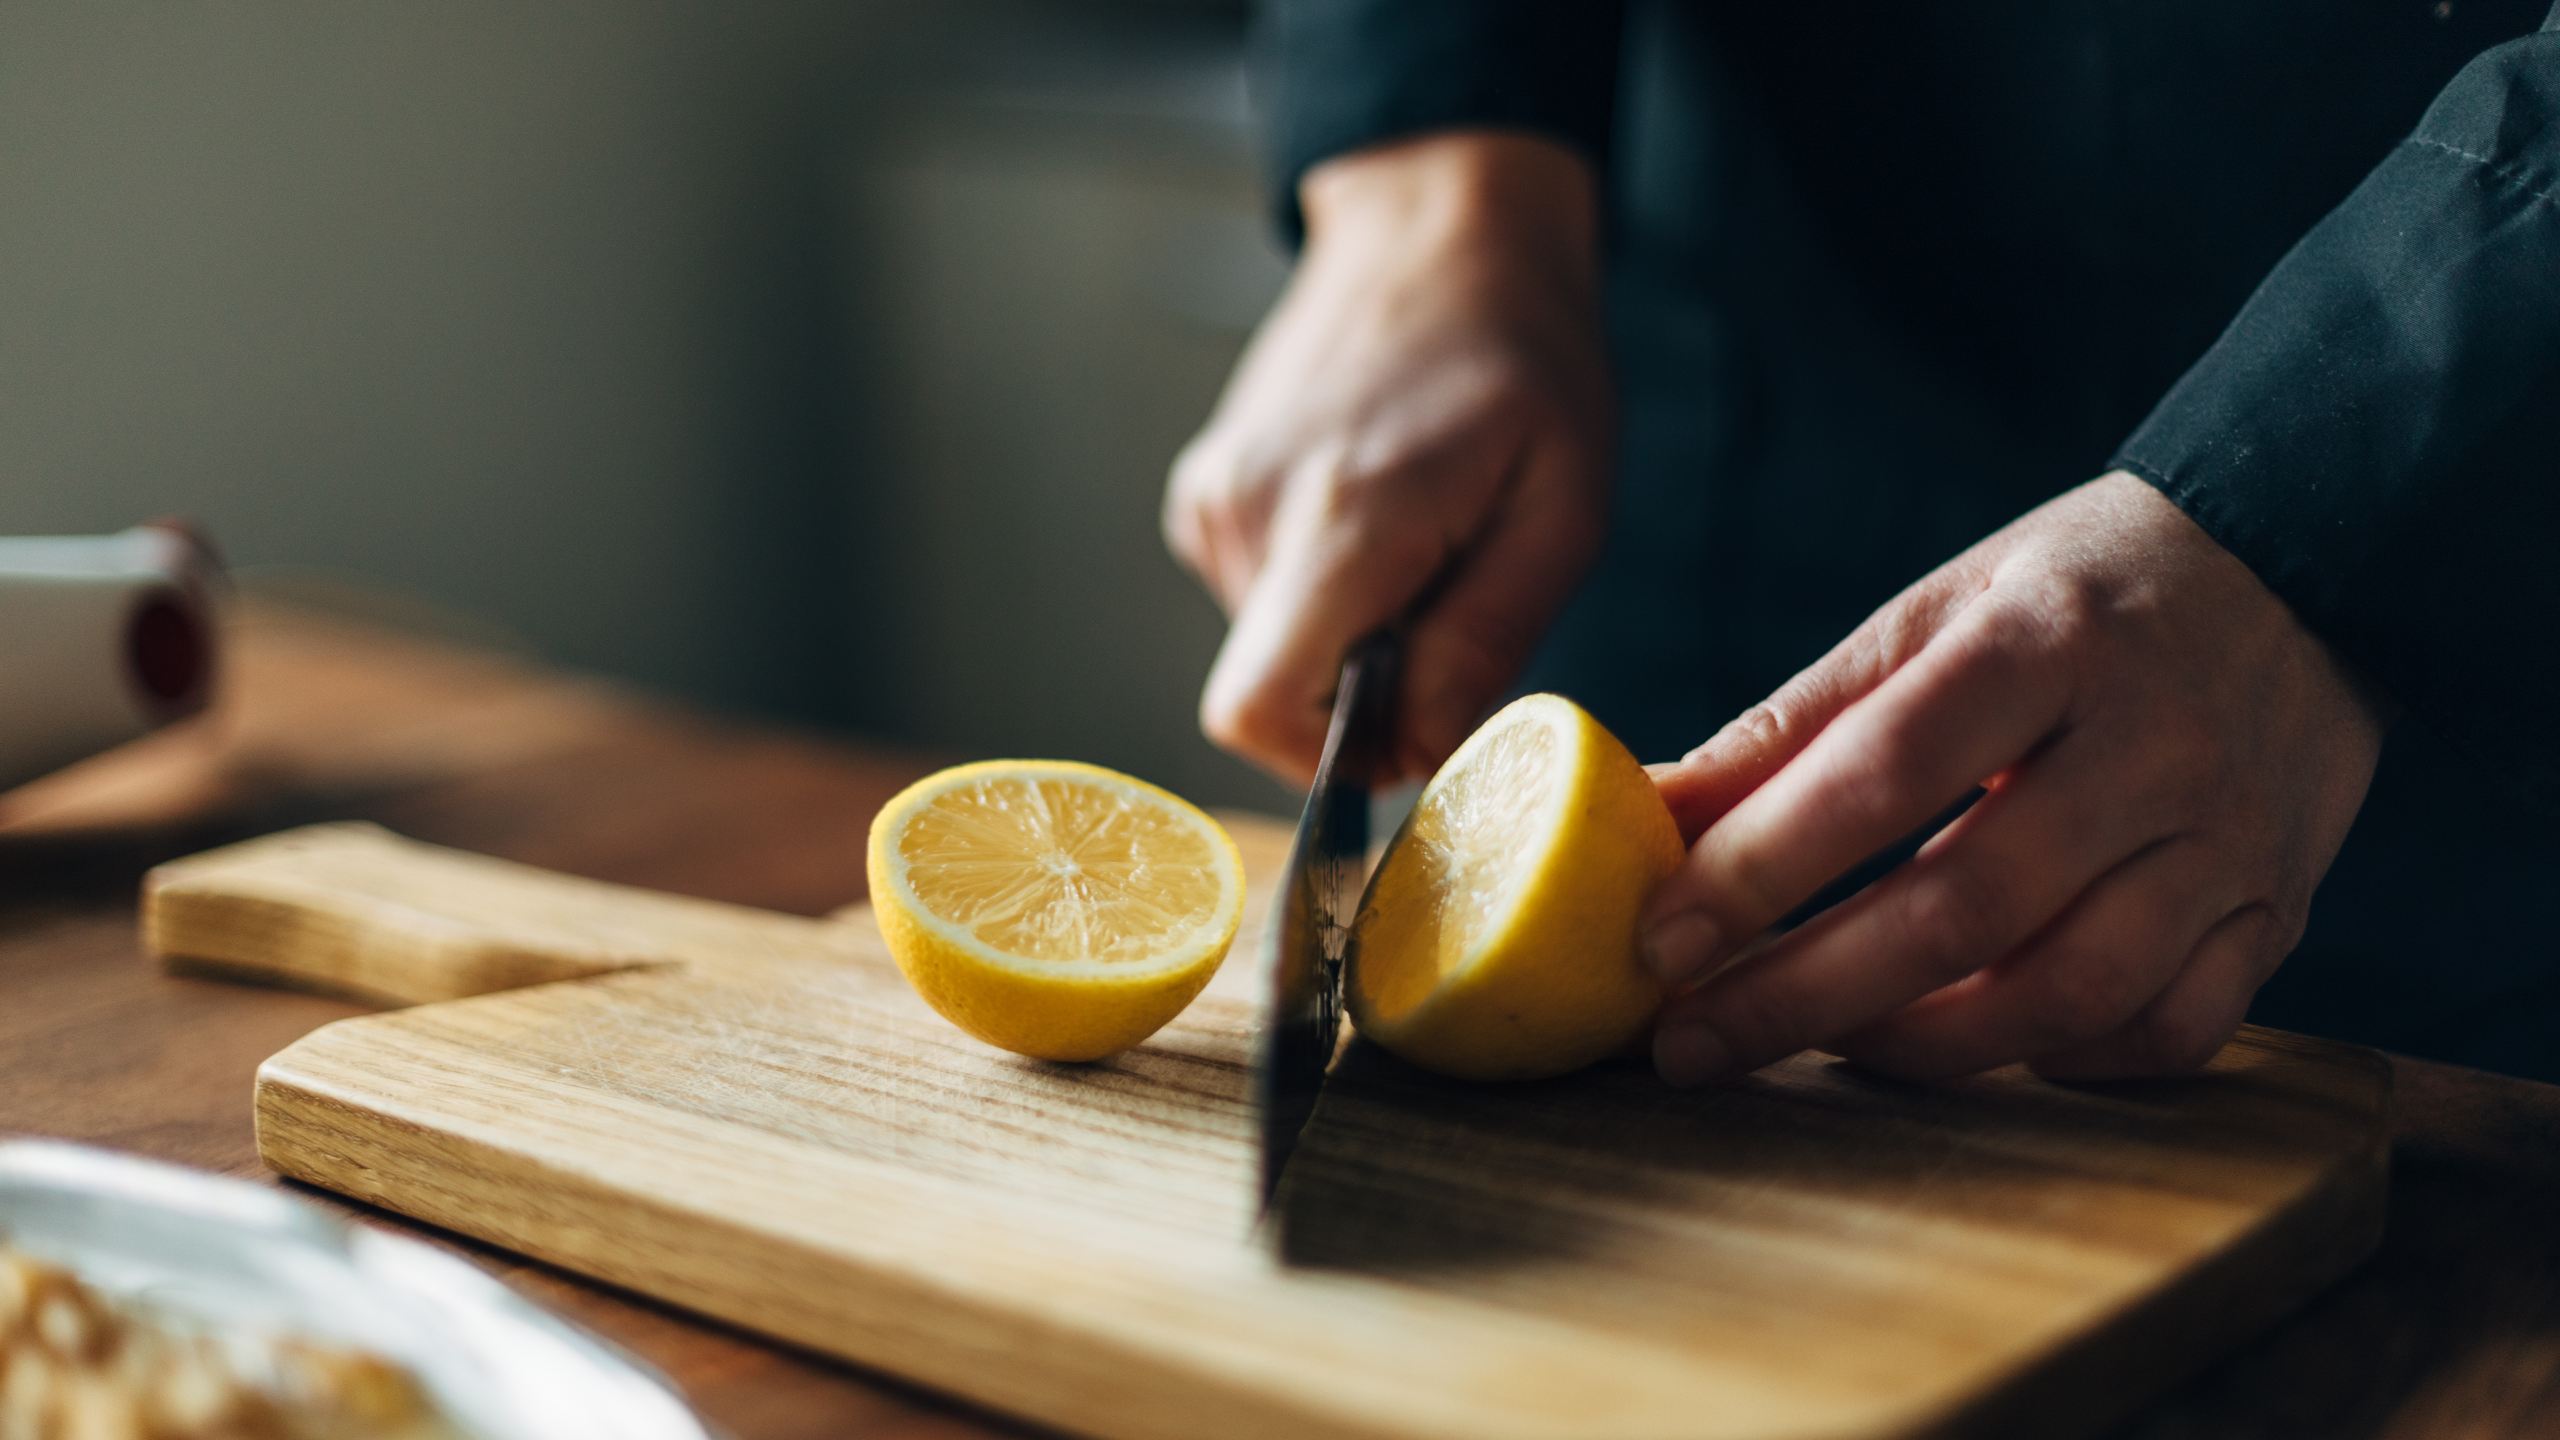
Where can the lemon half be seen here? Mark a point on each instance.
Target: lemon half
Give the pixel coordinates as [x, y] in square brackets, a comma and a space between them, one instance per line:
[1497, 940]
[1054, 909]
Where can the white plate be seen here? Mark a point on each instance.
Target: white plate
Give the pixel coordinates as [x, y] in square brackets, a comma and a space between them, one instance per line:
[232, 1254]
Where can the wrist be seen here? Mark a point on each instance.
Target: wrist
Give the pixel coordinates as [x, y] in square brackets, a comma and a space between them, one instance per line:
[1477, 192]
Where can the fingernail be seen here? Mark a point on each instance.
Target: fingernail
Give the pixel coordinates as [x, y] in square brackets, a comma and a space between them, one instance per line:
[1690, 1054]
[1678, 946]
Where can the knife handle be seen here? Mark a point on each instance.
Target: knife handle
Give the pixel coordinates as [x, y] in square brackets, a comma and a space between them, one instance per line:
[1360, 749]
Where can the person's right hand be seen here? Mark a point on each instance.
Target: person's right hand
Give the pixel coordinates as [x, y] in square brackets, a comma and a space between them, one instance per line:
[1427, 406]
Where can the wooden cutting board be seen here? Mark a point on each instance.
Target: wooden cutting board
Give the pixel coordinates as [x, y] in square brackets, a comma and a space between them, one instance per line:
[749, 1115]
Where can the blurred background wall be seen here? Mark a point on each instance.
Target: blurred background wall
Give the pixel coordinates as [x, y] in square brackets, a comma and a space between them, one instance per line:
[817, 361]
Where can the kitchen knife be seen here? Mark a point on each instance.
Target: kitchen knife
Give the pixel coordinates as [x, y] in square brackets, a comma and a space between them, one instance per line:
[1306, 940]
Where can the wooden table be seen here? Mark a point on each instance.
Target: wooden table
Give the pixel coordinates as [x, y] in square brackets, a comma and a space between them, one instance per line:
[2452, 1330]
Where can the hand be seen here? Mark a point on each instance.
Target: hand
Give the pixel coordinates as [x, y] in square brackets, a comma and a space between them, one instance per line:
[1427, 406]
[2171, 762]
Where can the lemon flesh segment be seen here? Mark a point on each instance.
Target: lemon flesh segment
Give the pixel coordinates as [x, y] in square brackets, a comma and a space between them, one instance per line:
[1461, 859]
[1497, 939]
[1058, 910]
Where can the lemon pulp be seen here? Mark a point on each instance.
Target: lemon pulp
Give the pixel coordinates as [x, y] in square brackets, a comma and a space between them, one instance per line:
[1498, 938]
[1056, 868]
[1058, 910]
[1462, 858]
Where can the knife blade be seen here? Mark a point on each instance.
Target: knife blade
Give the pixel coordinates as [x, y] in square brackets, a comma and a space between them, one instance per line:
[1306, 940]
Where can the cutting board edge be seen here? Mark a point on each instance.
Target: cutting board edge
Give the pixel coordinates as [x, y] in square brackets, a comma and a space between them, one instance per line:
[2333, 1224]
[322, 1132]
[296, 1137]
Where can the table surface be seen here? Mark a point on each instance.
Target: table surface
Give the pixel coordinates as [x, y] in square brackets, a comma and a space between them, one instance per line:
[2451, 1330]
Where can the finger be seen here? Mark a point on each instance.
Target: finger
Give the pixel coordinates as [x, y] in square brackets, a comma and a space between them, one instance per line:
[1211, 525]
[1489, 613]
[1980, 889]
[1193, 495]
[1343, 560]
[2112, 952]
[2187, 1025]
[1973, 702]
[1181, 519]
[1711, 779]
[1233, 547]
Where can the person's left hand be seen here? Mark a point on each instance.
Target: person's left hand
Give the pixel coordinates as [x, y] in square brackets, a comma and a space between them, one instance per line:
[2171, 761]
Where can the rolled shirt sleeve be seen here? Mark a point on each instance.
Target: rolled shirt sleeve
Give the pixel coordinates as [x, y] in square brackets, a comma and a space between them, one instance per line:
[2377, 434]
[1337, 75]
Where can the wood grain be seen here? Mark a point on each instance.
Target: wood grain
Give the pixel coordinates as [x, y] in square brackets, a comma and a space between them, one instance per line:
[353, 909]
[759, 1122]
[2450, 1331]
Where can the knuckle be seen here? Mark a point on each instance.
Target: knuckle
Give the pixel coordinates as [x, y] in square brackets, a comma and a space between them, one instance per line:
[2085, 994]
[2187, 753]
[1743, 888]
[1223, 718]
[2173, 1044]
[1360, 484]
[2066, 603]
[1768, 1021]
[1370, 533]
[1867, 789]
[1895, 633]
[1375, 542]
[1352, 490]
[1205, 468]
[2032, 617]
[1248, 718]
[1950, 921]
[1763, 727]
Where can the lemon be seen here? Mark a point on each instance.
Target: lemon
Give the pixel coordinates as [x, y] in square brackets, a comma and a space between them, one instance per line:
[1058, 910]
[1497, 940]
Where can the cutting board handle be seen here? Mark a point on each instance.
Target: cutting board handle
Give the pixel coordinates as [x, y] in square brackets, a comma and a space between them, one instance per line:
[354, 909]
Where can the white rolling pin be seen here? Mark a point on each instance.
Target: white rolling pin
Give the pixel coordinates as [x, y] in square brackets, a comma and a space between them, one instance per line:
[103, 638]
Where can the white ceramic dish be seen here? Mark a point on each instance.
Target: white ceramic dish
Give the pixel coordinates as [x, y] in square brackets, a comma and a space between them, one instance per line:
[226, 1252]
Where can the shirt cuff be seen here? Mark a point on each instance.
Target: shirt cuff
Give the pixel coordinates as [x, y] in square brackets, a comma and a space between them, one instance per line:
[1338, 75]
[2375, 434]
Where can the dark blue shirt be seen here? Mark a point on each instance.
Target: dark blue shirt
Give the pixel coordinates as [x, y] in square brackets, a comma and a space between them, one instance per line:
[1885, 276]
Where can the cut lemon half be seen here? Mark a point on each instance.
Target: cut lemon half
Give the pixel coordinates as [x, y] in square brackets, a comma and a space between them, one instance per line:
[1497, 939]
[1057, 910]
